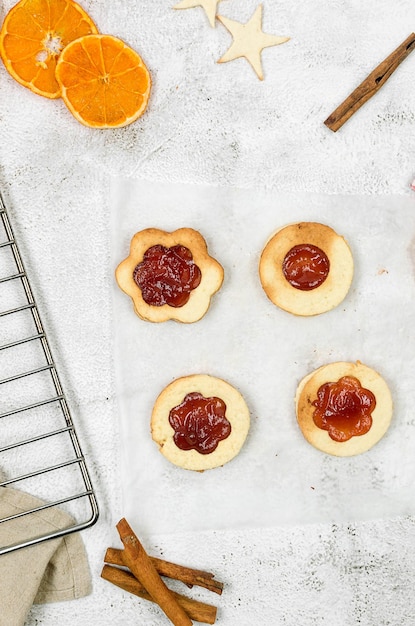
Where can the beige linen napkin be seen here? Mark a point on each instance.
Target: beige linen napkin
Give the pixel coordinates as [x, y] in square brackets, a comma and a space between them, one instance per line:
[50, 571]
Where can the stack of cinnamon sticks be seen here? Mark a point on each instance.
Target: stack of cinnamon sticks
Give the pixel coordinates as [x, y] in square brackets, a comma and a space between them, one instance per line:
[135, 571]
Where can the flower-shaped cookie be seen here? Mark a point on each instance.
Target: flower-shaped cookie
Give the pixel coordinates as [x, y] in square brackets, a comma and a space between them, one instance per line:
[343, 408]
[200, 422]
[169, 275]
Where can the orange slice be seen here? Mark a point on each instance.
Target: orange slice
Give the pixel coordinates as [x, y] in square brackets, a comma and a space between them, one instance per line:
[34, 33]
[104, 82]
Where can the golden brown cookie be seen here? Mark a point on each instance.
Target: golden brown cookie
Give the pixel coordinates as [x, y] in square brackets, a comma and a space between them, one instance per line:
[306, 268]
[343, 408]
[169, 275]
[200, 422]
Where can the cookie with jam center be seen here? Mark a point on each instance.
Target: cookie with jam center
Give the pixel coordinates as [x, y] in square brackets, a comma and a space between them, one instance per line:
[343, 408]
[200, 422]
[306, 268]
[169, 275]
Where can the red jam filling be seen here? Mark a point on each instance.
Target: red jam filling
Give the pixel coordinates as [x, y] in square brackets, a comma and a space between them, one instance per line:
[167, 275]
[344, 408]
[199, 423]
[305, 267]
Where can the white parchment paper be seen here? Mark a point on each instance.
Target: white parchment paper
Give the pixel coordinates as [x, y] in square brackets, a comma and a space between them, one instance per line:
[277, 478]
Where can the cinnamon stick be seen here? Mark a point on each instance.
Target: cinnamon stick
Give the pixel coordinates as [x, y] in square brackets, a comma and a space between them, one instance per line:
[199, 611]
[137, 560]
[376, 79]
[187, 575]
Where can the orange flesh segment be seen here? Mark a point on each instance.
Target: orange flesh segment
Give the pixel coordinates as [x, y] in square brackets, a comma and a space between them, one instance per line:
[104, 82]
[32, 36]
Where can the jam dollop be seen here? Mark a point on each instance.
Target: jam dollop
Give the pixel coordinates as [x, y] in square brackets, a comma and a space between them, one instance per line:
[199, 423]
[344, 408]
[306, 266]
[167, 275]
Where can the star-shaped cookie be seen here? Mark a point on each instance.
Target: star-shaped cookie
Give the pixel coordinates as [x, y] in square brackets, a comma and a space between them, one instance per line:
[210, 7]
[249, 40]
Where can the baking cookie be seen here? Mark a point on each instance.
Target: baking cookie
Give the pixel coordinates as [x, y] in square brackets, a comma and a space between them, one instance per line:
[200, 422]
[169, 275]
[343, 408]
[306, 268]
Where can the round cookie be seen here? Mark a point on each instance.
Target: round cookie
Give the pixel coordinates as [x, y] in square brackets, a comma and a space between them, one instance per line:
[372, 386]
[211, 389]
[335, 258]
[210, 274]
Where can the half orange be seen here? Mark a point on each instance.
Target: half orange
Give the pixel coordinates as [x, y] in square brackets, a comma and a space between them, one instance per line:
[104, 82]
[34, 33]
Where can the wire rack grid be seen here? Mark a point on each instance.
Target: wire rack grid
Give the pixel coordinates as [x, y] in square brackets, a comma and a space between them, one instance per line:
[39, 446]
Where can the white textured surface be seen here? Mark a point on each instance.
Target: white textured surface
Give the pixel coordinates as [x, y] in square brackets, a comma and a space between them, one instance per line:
[217, 125]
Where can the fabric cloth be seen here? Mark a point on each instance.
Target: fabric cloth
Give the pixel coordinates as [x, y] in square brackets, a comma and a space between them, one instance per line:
[49, 571]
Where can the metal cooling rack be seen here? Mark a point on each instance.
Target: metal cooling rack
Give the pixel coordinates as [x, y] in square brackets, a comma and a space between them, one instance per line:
[39, 449]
